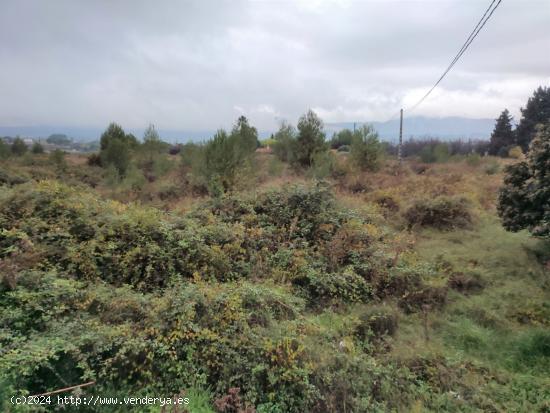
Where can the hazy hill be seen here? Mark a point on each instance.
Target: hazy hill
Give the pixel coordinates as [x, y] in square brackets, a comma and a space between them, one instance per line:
[445, 128]
[420, 126]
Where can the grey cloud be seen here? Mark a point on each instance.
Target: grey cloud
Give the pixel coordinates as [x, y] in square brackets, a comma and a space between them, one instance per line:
[200, 64]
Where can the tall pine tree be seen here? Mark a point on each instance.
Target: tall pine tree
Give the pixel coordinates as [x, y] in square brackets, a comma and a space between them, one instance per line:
[311, 138]
[537, 111]
[503, 136]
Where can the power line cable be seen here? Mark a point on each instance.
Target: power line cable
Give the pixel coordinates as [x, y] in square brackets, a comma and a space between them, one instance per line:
[469, 39]
[486, 16]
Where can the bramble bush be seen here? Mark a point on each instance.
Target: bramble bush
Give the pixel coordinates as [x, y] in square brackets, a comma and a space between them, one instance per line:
[226, 296]
[442, 212]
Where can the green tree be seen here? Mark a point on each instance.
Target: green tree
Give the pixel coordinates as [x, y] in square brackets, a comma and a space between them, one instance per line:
[221, 160]
[151, 136]
[4, 149]
[441, 152]
[57, 157]
[227, 155]
[113, 132]
[503, 137]
[18, 147]
[37, 148]
[246, 134]
[117, 154]
[152, 146]
[343, 137]
[435, 152]
[310, 140]
[132, 141]
[192, 155]
[151, 151]
[58, 139]
[285, 142]
[366, 149]
[115, 148]
[536, 111]
[524, 199]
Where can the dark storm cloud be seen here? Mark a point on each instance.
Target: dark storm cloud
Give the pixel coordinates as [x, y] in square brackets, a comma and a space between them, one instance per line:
[200, 64]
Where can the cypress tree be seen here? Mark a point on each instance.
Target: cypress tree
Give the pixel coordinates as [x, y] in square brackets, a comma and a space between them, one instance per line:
[537, 111]
[525, 198]
[503, 136]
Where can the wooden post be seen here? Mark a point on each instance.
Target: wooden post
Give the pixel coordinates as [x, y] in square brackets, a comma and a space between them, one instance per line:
[400, 148]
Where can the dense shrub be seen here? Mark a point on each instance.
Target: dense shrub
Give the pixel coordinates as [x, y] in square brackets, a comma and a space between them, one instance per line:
[466, 283]
[442, 212]
[324, 163]
[57, 158]
[425, 147]
[515, 152]
[492, 168]
[341, 139]
[438, 152]
[425, 299]
[5, 150]
[246, 292]
[91, 239]
[8, 178]
[388, 203]
[37, 148]
[18, 147]
[94, 159]
[377, 322]
[473, 159]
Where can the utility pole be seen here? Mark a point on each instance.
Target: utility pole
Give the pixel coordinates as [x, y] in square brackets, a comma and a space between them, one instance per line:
[400, 147]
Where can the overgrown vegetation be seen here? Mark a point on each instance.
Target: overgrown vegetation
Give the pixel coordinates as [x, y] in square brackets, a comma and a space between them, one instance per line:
[307, 280]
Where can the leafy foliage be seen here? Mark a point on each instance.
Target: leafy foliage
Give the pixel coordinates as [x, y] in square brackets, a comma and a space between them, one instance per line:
[366, 149]
[18, 147]
[59, 139]
[437, 152]
[4, 149]
[285, 142]
[222, 161]
[300, 303]
[115, 147]
[310, 139]
[342, 138]
[525, 197]
[442, 212]
[37, 148]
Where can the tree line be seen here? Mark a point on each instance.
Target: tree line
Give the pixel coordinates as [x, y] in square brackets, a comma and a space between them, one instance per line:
[505, 137]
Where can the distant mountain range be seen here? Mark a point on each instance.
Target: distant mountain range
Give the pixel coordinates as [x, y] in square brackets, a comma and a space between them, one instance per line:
[421, 127]
[417, 127]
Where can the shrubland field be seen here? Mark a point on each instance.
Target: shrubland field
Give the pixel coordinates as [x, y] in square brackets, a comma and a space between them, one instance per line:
[326, 288]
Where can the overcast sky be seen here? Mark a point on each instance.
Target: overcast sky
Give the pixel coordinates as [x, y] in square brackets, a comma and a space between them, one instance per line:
[200, 64]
